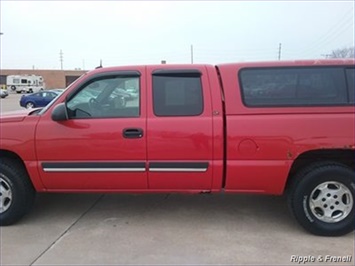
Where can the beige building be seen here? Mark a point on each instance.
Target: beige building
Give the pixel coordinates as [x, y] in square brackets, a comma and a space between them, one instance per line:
[52, 78]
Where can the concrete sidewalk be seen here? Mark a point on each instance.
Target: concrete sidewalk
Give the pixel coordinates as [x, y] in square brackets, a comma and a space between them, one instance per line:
[94, 229]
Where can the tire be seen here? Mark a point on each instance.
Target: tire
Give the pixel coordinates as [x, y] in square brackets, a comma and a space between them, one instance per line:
[17, 192]
[30, 105]
[322, 199]
[13, 88]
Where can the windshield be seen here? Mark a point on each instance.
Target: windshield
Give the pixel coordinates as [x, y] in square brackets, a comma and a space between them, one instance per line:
[55, 99]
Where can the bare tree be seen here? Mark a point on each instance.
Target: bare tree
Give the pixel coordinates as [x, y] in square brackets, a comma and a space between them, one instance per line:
[346, 52]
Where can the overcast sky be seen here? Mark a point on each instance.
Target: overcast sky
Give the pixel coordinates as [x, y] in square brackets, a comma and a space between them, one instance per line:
[133, 32]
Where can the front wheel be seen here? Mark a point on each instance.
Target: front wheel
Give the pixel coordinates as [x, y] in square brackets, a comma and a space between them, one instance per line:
[30, 105]
[322, 199]
[16, 192]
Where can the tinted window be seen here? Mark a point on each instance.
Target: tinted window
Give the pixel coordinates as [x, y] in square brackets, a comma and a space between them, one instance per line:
[351, 84]
[293, 86]
[106, 97]
[177, 95]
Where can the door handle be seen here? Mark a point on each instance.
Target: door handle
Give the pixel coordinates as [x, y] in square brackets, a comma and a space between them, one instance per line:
[132, 133]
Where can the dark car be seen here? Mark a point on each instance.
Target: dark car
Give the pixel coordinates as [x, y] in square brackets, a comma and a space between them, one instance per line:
[38, 99]
[3, 93]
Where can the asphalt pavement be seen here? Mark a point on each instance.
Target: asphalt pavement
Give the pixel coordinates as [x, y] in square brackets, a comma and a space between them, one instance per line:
[164, 229]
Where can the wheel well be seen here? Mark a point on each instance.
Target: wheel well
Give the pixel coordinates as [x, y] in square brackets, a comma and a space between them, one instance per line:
[342, 156]
[13, 156]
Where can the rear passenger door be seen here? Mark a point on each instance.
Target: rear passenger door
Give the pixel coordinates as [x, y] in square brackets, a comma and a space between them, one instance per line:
[179, 129]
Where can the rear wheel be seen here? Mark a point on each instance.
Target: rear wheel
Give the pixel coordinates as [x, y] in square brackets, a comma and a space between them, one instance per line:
[322, 199]
[16, 192]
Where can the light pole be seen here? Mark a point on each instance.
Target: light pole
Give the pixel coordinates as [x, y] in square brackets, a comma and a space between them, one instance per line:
[192, 53]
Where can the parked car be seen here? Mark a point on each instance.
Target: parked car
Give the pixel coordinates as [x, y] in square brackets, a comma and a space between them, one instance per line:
[134, 93]
[38, 99]
[58, 90]
[122, 95]
[3, 93]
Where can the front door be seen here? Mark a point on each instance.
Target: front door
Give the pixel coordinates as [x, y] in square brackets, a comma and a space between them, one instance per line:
[102, 144]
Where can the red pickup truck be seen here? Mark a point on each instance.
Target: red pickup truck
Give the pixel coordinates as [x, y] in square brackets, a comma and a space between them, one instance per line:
[270, 128]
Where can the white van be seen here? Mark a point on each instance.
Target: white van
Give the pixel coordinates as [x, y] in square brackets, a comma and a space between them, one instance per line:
[25, 83]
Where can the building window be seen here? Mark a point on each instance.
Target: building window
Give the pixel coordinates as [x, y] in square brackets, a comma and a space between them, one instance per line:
[70, 79]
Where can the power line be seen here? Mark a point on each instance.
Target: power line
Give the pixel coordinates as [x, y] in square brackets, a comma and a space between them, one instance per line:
[329, 39]
[346, 21]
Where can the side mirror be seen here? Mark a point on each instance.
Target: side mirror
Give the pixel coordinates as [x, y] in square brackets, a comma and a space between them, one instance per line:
[60, 113]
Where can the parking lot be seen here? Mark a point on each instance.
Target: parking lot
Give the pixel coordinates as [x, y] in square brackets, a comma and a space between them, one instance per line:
[11, 103]
[120, 229]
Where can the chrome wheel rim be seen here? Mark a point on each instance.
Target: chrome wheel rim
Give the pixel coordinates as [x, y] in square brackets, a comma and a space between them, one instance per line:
[29, 105]
[331, 202]
[5, 195]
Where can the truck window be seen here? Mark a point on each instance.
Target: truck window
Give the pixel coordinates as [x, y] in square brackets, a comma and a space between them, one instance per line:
[23, 81]
[351, 83]
[299, 86]
[106, 97]
[177, 95]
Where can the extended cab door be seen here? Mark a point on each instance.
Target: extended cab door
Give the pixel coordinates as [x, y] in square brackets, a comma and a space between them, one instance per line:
[179, 129]
[102, 144]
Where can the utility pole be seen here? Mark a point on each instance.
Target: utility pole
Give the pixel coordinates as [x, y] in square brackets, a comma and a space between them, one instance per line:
[61, 59]
[279, 51]
[192, 54]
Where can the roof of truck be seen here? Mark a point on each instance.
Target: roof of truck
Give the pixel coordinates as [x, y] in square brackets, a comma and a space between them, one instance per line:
[281, 63]
[294, 63]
